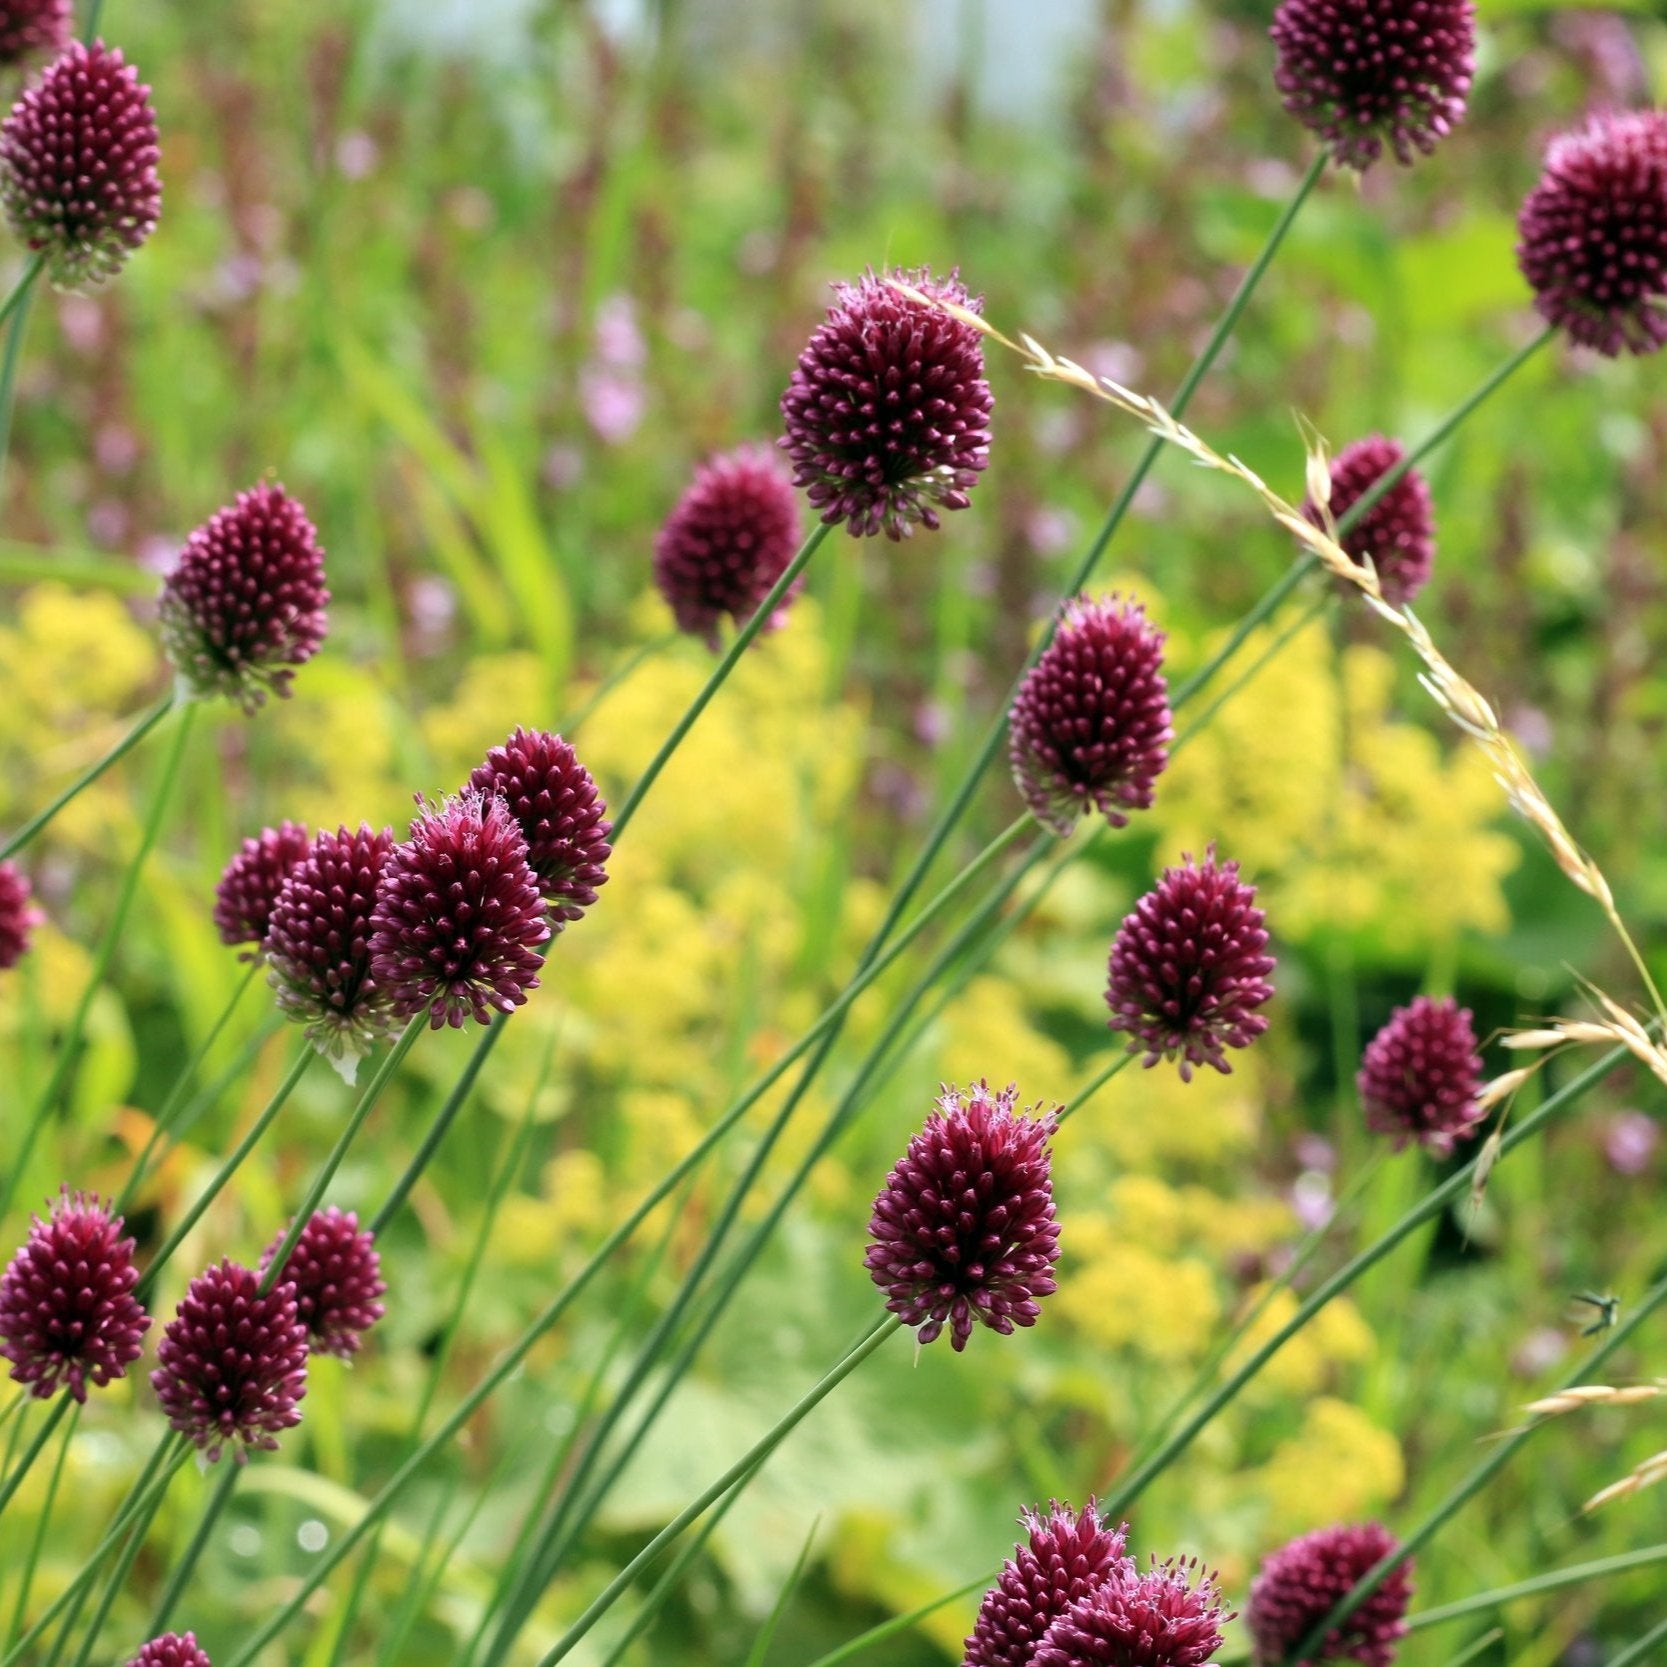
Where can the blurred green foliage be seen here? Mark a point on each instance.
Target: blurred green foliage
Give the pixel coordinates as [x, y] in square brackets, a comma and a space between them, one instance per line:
[481, 283]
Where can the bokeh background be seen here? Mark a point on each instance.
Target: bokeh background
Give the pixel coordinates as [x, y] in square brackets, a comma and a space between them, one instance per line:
[481, 281]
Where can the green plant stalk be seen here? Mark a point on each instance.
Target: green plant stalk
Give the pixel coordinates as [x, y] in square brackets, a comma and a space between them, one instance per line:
[738, 646]
[1117, 1501]
[898, 1623]
[112, 1586]
[176, 1094]
[19, 304]
[43, 1435]
[1576, 1574]
[680, 1565]
[1248, 676]
[1473, 1483]
[1225, 1345]
[1476, 1647]
[25, 282]
[181, 1573]
[569, 726]
[169, 1455]
[87, 777]
[1642, 1649]
[761, 1450]
[199, 1205]
[327, 1171]
[27, 1581]
[577, 1510]
[499, 1190]
[515, 1571]
[69, 1044]
[557, 1545]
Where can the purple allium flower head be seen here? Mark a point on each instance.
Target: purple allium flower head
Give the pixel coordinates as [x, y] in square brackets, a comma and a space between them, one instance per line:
[1170, 1616]
[964, 1227]
[1189, 967]
[172, 1649]
[67, 1310]
[1362, 73]
[1398, 533]
[244, 604]
[888, 411]
[337, 1277]
[459, 926]
[250, 883]
[78, 159]
[562, 817]
[28, 27]
[232, 1362]
[18, 916]
[1592, 235]
[1069, 1554]
[1090, 726]
[1297, 1586]
[1420, 1075]
[318, 943]
[733, 533]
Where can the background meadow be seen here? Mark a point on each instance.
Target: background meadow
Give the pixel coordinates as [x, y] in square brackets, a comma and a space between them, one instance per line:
[481, 282]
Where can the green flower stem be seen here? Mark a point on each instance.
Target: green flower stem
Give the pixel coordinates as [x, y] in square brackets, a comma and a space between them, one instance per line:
[69, 1044]
[181, 1573]
[1575, 1575]
[1227, 1343]
[280, 1095]
[14, 1476]
[898, 1623]
[176, 1095]
[1119, 1498]
[128, 742]
[25, 282]
[517, 1570]
[742, 641]
[18, 305]
[327, 1171]
[680, 1565]
[142, 1499]
[94, 12]
[572, 1513]
[1368, 500]
[1248, 676]
[26, 1583]
[1643, 1649]
[1473, 1483]
[112, 1587]
[498, 1190]
[883, 1331]
[620, 674]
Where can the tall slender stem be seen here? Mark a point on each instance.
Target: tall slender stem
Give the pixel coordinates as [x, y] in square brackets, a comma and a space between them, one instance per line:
[748, 1462]
[1577, 1574]
[1472, 1484]
[18, 305]
[128, 742]
[741, 642]
[69, 1044]
[182, 1571]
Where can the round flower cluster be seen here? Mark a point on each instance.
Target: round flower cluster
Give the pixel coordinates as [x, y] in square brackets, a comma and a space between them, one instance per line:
[1189, 968]
[245, 602]
[888, 411]
[232, 1362]
[18, 916]
[1299, 1585]
[964, 1228]
[336, 1275]
[68, 1316]
[732, 535]
[251, 881]
[1072, 1598]
[1362, 73]
[78, 157]
[31, 27]
[172, 1649]
[1421, 1074]
[1090, 726]
[1397, 534]
[1592, 235]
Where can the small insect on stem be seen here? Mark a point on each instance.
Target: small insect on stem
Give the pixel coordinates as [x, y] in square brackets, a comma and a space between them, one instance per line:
[1608, 1311]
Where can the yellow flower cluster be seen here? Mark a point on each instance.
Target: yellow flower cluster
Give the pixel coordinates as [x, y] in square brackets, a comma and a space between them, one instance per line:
[1345, 814]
